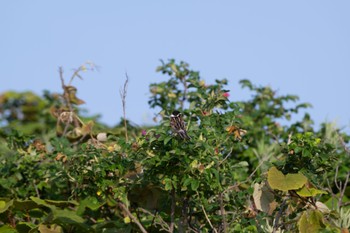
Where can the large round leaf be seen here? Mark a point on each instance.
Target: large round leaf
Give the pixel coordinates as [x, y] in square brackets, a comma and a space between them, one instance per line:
[277, 180]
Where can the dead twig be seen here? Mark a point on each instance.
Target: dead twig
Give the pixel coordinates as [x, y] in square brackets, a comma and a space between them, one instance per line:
[123, 93]
[86, 66]
[67, 102]
[342, 142]
[340, 186]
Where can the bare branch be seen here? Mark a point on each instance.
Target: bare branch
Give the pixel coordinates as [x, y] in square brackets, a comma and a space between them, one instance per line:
[158, 220]
[86, 66]
[66, 100]
[36, 189]
[132, 217]
[278, 215]
[60, 70]
[342, 190]
[347, 150]
[208, 220]
[123, 93]
[338, 185]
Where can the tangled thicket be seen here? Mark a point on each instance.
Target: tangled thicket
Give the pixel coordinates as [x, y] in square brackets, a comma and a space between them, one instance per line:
[244, 169]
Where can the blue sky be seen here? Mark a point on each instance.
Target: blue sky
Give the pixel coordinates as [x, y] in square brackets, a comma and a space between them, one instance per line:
[296, 47]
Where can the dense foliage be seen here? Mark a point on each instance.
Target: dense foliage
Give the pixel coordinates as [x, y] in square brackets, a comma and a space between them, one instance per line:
[248, 167]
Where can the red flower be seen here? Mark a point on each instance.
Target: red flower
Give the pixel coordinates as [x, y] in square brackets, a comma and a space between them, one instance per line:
[226, 94]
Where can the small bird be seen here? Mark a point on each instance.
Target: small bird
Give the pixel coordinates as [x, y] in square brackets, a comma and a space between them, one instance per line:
[178, 125]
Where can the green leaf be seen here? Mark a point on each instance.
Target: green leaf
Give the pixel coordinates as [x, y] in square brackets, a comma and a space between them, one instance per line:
[42, 203]
[25, 205]
[7, 229]
[89, 202]
[246, 83]
[277, 180]
[309, 192]
[194, 184]
[69, 215]
[69, 218]
[187, 181]
[24, 227]
[240, 164]
[61, 204]
[36, 213]
[310, 221]
[168, 184]
[4, 205]
[167, 139]
[50, 229]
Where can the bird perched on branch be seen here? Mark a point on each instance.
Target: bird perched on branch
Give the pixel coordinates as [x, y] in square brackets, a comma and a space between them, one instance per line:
[178, 125]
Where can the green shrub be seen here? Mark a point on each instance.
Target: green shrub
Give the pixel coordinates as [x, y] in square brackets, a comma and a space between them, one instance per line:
[246, 167]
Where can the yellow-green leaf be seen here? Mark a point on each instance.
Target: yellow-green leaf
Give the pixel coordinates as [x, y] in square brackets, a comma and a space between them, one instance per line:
[127, 220]
[7, 229]
[277, 180]
[50, 229]
[5, 205]
[310, 221]
[2, 204]
[309, 192]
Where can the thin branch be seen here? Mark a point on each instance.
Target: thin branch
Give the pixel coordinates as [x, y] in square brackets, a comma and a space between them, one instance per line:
[75, 74]
[346, 203]
[182, 101]
[183, 224]
[208, 220]
[36, 189]
[347, 150]
[232, 187]
[132, 217]
[172, 214]
[66, 100]
[228, 155]
[342, 191]
[223, 213]
[257, 168]
[335, 179]
[158, 220]
[206, 216]
[60, 70]
[123, 93]
[329, 189]
[278, 215]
